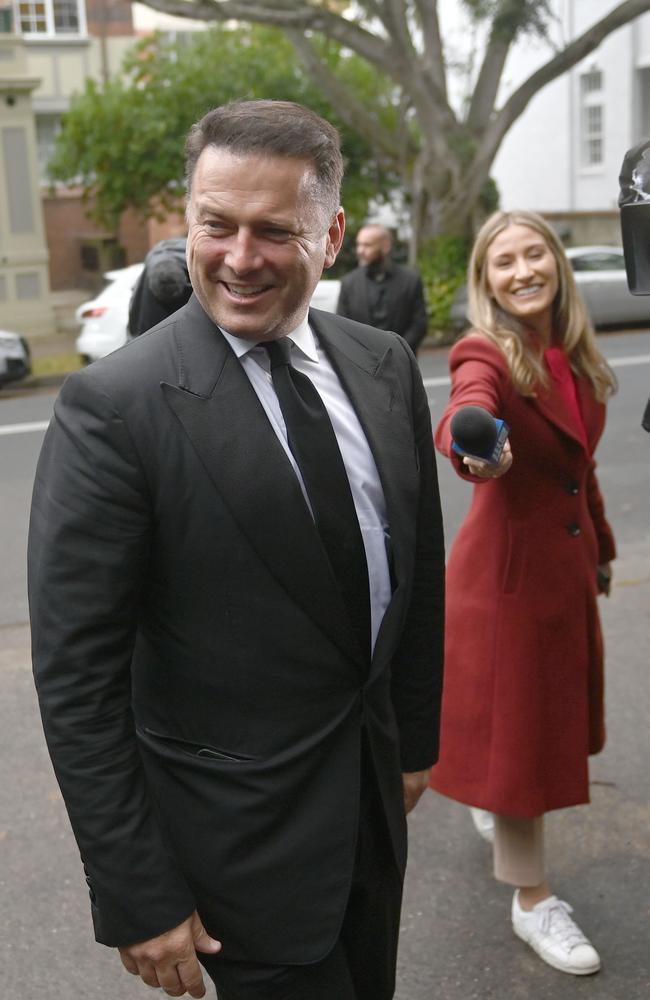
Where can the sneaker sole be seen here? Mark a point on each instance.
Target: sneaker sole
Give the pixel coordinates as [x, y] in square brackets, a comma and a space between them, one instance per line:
[554, 963]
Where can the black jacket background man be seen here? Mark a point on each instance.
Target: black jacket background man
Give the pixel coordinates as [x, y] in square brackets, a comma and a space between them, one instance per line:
[382, 293]
[162, 288]
[214, 725]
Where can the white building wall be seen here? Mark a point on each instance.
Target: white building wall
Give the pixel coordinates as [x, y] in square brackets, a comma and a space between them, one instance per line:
[533, 166]
[539, 165]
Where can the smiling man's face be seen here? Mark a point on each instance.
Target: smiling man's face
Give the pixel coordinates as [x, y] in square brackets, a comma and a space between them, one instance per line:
[258, 241]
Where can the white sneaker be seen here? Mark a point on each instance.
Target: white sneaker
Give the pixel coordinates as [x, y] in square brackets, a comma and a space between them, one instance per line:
[484, 823]
[557, 939]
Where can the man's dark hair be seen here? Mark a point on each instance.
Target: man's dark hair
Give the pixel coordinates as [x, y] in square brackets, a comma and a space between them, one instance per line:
[274, 128]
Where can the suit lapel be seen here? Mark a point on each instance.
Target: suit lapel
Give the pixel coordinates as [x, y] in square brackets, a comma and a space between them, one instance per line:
[228, 428]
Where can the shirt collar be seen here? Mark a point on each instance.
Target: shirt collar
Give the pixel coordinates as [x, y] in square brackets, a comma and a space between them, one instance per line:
[302, 337]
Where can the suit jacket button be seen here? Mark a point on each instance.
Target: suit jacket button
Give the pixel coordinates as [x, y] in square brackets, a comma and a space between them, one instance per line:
[573, 529]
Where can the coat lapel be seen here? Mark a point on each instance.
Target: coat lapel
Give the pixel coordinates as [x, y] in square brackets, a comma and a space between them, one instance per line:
[550, 402]
[227, 426]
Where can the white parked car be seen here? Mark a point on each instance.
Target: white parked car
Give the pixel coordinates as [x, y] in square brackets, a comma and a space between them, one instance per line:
[15, 359]
[326, 295]
[601, 279]
[104, 319]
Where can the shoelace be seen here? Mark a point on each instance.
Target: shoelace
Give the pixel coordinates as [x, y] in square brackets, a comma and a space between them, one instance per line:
[556, 921]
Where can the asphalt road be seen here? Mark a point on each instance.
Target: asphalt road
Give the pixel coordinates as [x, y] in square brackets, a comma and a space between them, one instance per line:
[456, 942]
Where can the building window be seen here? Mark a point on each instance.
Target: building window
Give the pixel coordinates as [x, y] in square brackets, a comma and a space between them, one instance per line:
[47, 130]
[50, 17]
[592, 125]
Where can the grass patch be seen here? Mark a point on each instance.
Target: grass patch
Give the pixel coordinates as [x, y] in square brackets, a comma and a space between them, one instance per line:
[56, 364]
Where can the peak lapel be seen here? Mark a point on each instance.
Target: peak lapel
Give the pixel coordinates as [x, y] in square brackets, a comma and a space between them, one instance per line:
[552, 405]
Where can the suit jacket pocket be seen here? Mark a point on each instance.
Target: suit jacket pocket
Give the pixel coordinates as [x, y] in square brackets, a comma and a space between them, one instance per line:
[194, 749]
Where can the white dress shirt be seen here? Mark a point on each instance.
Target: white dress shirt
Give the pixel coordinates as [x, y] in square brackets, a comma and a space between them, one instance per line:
[309, 358]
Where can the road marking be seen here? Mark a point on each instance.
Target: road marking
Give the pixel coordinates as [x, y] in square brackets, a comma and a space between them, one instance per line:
[430, 383]
[39, 425]
[442, 380]
[639, 359]
[625, 362]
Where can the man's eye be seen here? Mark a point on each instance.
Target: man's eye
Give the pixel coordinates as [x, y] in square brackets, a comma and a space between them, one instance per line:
[273, 233]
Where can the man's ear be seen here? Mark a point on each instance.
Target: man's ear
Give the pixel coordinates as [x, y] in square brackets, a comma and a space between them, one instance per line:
[335, 234]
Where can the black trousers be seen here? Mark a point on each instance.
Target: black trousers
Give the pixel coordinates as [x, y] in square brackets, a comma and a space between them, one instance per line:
[361, 966]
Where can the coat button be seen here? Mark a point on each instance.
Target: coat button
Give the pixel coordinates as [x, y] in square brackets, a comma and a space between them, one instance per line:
[572, 488]
[573, 529]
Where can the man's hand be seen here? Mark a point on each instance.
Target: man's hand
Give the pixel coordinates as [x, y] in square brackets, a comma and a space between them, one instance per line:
[169, 960]
[414, 783]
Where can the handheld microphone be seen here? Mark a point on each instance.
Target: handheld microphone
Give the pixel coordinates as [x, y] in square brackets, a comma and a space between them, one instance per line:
[477, 434]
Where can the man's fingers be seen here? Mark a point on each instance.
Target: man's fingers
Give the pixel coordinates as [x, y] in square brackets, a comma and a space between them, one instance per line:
[191, 977]
[202, 940]
[129, 963]
[206, 944]
[169, 960]
[148, 974]
[170, 980]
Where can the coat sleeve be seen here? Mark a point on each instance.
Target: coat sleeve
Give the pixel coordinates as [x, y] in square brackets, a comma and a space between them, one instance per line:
[604, 533]
[90, 532]
[417, 667]
[479, 377]
[418, 323]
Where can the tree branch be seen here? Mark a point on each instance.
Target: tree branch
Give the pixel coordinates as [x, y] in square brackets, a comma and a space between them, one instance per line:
[395, 22]
[298, 15]
[434, 57]
[435, 115]
[489, 77]
[573, 53]
[353, 112]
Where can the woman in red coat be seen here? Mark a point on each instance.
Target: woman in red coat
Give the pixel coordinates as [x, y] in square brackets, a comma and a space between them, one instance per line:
[523, 696]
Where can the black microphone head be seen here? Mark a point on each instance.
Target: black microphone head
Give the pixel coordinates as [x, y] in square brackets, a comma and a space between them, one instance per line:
[474, 430]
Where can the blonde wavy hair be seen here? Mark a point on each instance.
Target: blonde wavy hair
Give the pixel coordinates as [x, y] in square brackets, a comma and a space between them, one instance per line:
[572, 327]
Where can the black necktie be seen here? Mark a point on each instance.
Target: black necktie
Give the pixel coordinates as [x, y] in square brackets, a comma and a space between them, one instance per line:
[314, 446]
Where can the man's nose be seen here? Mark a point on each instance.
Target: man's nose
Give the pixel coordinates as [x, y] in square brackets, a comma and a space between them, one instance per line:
[243, 253]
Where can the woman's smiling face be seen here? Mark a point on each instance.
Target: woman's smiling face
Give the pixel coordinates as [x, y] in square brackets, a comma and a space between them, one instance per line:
[522, 275]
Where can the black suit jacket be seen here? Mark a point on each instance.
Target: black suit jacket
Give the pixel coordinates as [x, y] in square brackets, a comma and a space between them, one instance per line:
[201, 690]
[407, 312]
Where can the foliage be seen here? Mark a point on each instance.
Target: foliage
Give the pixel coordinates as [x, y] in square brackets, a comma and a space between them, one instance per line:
[123, 141]
[524, 16]
[442, 153]
[443, 266]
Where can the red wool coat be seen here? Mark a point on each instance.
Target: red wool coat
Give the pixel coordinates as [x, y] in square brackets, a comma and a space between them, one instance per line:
[523, 697]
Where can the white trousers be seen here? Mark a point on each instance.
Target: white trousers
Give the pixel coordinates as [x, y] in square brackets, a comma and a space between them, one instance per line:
[519, 850]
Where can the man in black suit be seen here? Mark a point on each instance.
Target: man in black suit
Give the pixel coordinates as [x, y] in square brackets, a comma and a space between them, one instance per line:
[239, 683]
[382, 293]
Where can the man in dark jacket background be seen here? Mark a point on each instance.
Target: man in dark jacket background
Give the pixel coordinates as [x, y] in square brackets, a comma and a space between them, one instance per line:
[382, 293]
[162, 288]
